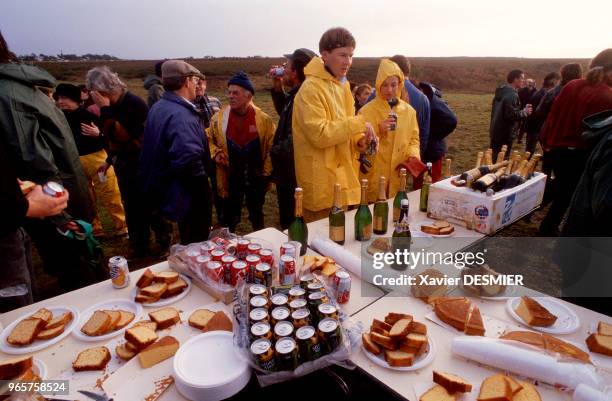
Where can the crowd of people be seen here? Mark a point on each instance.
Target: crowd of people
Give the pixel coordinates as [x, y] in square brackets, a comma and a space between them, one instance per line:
[172, 158]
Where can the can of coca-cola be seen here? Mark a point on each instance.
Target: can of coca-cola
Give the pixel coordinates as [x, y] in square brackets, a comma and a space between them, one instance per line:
[227, 261]
[214, 270]
[239, 272]
[242, 248]
[217, 254]
[288, 249]
[192, 254]
[207, 247]
[220, 242]
[253, 249]
[287, 270]
[252, 261]
[267, 256]
[342, 286]
[53, 189]
[200, 265]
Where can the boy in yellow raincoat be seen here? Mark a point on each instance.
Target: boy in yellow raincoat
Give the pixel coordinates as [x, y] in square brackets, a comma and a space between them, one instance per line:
[395, 145]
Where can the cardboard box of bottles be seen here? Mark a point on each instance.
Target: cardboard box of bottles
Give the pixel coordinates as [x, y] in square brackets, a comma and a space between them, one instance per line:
[481, 212]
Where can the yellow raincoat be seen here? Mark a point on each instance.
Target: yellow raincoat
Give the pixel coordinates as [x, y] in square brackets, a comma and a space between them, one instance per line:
[325, 132]
[394, 146]
[217, 142]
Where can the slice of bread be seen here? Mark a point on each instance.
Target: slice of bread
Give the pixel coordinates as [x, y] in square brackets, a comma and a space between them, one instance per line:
[131, 347]
[383, 341]
[48, 334]
[115, 317]
[147, 323]
[200, 318]
[426, 292]
[437, 393]
[140, 336]
[417, 351]
[27, 376]
[600, 344]
[495, 388]
[453, 312]
[398, 358]
[526, 337]
[98, 324]
[155, 290]
[446, 230]
[535, 314]
[475, 325]
[219, 321]
[556, 345]
[25, 332]
[165, 317]
[167, 277]
[369, 345]
[143, 299]
[418, 327]
[400, 329]
[125, 319]
[159, 351]
[393, 317]
[604, 329]
[61, 320]
[452, 383]
[146, 279]
[415, 340]
[382, 325]
[528, 392]
[175, 288]
[379, 331]
[329, 269]
[92, 359]
[14, 367]
[515, 386]
[43, 314]
[124, 352]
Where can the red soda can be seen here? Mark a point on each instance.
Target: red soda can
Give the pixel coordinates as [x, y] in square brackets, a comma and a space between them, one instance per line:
[207, 247]
[342, 286]
[220, 242]
[192, 254]
[287, 270]
[200, 264]
[53, 189]
[239, 272]
[214, 270]
[267, 256]
[252, 261]
[288, 249]
[253, 249]
[227, 261]
[217, 255]
[242, 248]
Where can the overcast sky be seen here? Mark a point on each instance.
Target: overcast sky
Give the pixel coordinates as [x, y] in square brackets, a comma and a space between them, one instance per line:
[154, 29]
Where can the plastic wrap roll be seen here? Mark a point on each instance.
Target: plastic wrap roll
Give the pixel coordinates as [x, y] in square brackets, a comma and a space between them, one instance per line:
[343, 257]
[586, 393]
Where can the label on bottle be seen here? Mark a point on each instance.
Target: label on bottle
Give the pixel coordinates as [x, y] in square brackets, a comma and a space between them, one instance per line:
[367, 232]
[379, 223]
[336, 233]
[396, 213]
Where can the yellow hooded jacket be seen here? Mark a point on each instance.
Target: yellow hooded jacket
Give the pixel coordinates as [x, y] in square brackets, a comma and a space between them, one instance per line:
[394, 146]
[217, 141]
[325, 132]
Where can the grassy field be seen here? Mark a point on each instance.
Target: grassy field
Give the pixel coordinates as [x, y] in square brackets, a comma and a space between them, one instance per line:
[467, 83]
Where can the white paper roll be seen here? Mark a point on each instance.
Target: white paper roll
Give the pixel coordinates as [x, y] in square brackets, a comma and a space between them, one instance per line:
[586, 393]
[344, 258]
[526, 362]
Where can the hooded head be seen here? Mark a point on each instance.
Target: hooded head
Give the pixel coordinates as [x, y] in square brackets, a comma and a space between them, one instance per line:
[389, 80]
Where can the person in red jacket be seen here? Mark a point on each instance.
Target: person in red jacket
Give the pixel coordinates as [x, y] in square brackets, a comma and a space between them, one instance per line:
[564, 149]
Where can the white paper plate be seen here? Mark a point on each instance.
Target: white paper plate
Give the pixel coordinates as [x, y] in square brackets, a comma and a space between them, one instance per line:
[420, 363]
[39, 368]
[567, 321]
[37, 345]
[417, 226]
[112, 304]
[165, 301]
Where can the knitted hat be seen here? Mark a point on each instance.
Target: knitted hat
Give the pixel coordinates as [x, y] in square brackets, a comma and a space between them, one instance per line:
[242, 79]
[70, 91]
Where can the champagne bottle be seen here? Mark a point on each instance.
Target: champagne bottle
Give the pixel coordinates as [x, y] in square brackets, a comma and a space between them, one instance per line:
[535, 159]
[298, 230]
[488, 157]
[381, 209]
[472, 175]
[447, 168]
[363, 217]
[515, 178]
[336, 218]
[526, 156]
[401, 237]
[401, 194]
[488, 180]
[479, 159]
[425, 189]
[502, 154]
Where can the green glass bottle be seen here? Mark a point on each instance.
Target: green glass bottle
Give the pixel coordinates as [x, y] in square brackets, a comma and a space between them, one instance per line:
[381, 209]
[336, 218]
[401, 238]
[363, 217]
[298, 230]
[425, 189]
[401, 194]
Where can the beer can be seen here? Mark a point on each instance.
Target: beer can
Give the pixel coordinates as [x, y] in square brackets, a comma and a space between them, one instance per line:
[287, 270]
[258, 290]
[119, 272]
[263, 354]
[279, 300]
[259, 315]
[288, 249]
[227, 261]
[267, 256]
[207, 247]
[330, 334]
[342, 286]
[253, 249]
[283, 329]
[279, 314]
[327, 311]
[317, 286]
[214, 270]
[306, 279]
[296, 293]
[252, 261]
[315, 299]
[263, 274]
[297, 304]
[242, 247]
[53, 189]
[261, 330]
[239, 272]
[286, 354]
[217, 254]
[309, 344]
[259, 302]
[301, 317]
